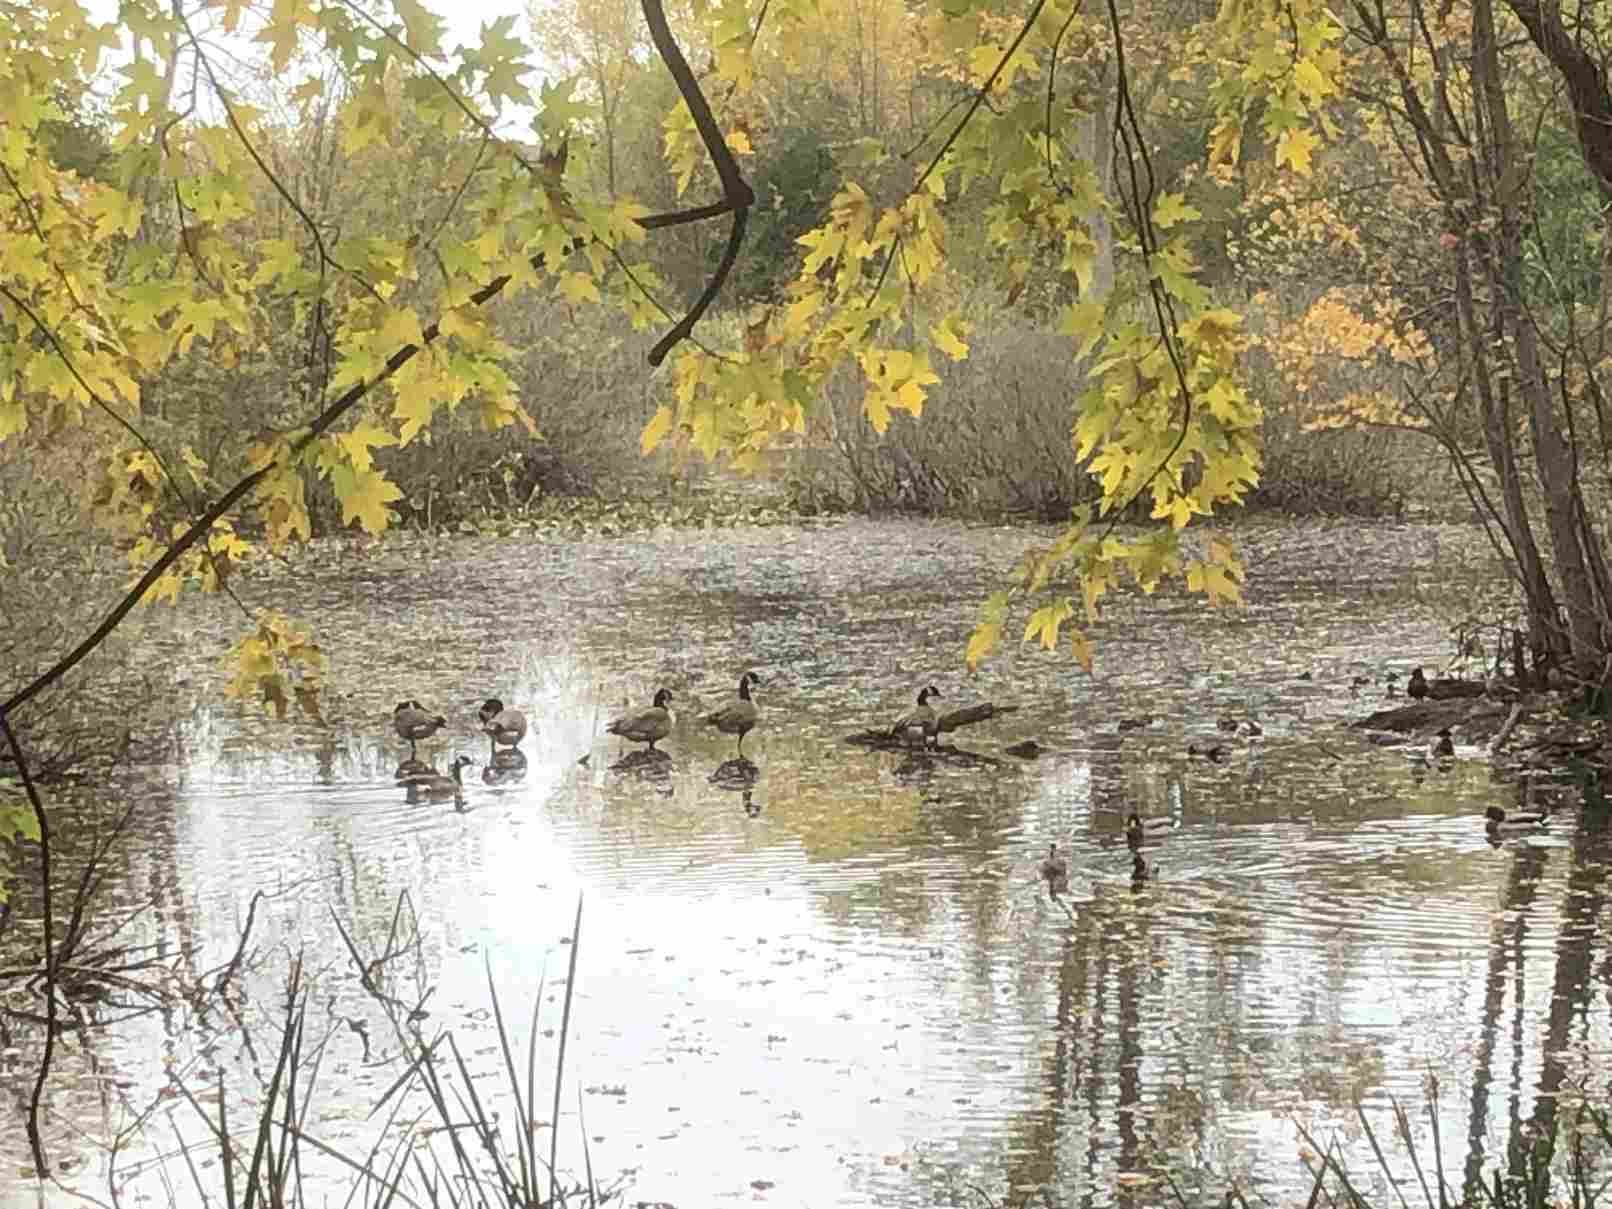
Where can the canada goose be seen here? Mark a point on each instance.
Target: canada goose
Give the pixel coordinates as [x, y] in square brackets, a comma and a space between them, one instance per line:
[1516, 820]
[737, 717]
[439, 786]
[1416, 687]
[1214, 752]
[1055, 872]
[1442, 746]
[1136, 827]
[921, 722]
[506, 726]
[649, 725]
[1228, 724]
[1139, 871]
[1140, 723]
[411, 722]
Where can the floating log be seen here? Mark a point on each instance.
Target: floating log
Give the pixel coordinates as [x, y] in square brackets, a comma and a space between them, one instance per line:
[970, 714]
[885, 739]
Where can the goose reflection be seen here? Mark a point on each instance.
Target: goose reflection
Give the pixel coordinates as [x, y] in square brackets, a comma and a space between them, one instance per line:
[739, 776]
[507, 767]
[433, 786]
[412, 771]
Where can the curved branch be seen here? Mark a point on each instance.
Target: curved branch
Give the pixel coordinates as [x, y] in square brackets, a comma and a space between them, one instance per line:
[737, 195]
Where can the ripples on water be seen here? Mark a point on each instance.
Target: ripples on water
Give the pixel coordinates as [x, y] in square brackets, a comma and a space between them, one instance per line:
[855, 989]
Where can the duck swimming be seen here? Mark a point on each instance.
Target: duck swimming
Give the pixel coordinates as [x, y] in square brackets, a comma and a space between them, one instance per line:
[1516, 820]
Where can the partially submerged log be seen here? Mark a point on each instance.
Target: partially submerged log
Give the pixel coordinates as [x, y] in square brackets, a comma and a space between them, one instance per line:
[1404, 719]
[970, 714]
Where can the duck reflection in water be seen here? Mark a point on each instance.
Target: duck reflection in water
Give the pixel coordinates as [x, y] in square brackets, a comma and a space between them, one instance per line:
[739, 775]
[1139, 871]
[507, 767]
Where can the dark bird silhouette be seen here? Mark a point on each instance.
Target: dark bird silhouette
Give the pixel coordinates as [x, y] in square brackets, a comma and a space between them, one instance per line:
[921, 722]
[648, 725]
[1055, 872]
[412, 722]
[1513, 821]
[737, 717]
[1416, 687]
[505, 727]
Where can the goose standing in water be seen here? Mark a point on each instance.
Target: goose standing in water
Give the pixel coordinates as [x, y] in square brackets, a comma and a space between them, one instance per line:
[922, 722]
[649, 725]
[505, 727]
[737, 717]
[412, 722]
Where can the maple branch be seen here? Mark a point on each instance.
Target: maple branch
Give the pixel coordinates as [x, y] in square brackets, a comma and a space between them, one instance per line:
[736, 192]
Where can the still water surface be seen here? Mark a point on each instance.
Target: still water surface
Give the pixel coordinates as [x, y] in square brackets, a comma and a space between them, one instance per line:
[847, 986]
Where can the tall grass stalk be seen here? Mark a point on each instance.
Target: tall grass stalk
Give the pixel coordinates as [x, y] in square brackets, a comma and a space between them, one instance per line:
[261, 1159]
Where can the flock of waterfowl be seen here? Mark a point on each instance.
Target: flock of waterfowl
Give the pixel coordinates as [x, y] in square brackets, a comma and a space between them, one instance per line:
[919, 727]
[505, 728]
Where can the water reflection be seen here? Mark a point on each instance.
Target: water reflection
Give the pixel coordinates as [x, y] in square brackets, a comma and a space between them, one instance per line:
[739, 775]
[507, 767]
[860, 994]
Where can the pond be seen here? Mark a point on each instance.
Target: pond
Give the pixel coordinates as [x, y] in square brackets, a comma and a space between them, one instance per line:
[845, 983]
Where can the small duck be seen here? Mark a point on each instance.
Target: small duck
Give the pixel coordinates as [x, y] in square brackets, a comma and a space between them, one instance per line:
[737, 717]
[1228, 724]
[1055, 872]
[922, 722]
[505, 727]
[649, 725]
[411, 721]
[1213, 752]
[438, 786]
[1516, 820]
[1442, 746]
[1416, 686]
[1137, 828]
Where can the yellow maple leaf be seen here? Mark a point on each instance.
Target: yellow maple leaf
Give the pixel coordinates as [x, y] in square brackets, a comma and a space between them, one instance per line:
[1080, 648]
[366, 499]
[357, 443]
[1295, 149]
[981, 642]
[655, 431]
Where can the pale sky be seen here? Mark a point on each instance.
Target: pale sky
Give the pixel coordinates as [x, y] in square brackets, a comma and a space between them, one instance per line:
[464, 20]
